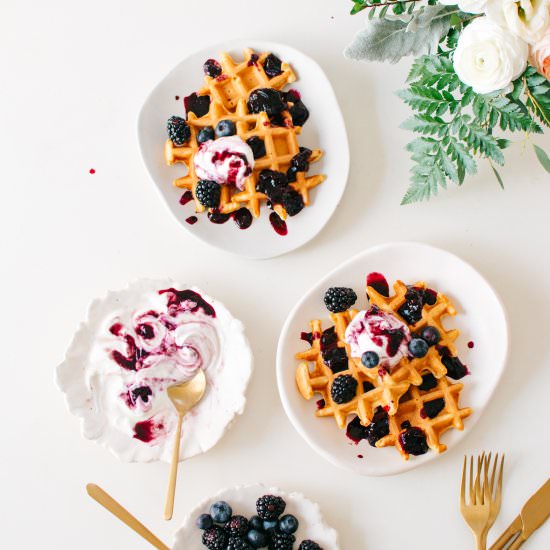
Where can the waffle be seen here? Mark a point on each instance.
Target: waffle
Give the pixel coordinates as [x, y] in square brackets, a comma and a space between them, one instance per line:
[229, 93]
[411, 410]
[396, 391]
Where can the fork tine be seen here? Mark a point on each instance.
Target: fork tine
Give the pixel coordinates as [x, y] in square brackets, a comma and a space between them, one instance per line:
[463, 483]
[487, 493]
[478, 482]
[493, 473]
[472, 491]
[499, 485]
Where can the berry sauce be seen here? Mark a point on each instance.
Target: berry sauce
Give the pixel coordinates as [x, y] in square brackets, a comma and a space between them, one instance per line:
[307, 337]
[176, 297]
[192, 220]
[471, 344]
[92, 170]
[356, 432]
[147, 430]
[278, 224]
[177, 98]
[320, 404]
[243, 218]
[379, 283]
[186, 197]
[218, 217]
[359, 456]
[253, 60]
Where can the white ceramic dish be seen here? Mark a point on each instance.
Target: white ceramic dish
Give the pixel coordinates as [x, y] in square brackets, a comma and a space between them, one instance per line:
[243, 501]
[95, 385]
[480, 318]
[324, 130]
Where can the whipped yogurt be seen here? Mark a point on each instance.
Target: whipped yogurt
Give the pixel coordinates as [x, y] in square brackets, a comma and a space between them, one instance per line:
[227, 160]
[136, 344]
[381, 332]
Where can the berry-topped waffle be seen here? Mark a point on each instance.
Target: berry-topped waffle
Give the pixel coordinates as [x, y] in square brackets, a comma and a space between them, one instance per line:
[386, 372]
[239, 141]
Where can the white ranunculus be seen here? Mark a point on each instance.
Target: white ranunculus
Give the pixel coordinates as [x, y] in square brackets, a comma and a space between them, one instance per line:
[528, 19]
[468, 6]
[488, 57]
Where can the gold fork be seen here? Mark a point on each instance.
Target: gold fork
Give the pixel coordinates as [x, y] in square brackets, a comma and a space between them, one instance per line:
[476, 511]
[495, 490]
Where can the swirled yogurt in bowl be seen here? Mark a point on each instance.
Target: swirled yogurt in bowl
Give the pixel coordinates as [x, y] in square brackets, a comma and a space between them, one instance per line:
[135, 344]
[227, 160]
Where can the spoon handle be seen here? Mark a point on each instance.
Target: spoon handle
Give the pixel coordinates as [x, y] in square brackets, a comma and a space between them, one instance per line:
[169, 507]
[108, 502]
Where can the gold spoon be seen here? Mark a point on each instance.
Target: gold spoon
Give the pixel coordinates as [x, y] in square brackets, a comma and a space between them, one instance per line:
[184, 397]
[108, 502]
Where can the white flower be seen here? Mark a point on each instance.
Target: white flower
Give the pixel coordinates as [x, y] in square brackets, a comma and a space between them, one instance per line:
[468, 6]
[540, 56]
[488, 57]
[528, 19]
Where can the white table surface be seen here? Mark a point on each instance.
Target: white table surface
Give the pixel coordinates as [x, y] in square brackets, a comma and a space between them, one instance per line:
[74, 76]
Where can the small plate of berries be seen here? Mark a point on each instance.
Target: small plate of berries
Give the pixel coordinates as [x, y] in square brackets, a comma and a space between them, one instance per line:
[253, 516]
[247, 146]
[390, 359]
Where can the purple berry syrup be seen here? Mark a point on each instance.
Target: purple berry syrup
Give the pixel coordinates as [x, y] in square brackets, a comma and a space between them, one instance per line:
[379, 283]
[278, 224]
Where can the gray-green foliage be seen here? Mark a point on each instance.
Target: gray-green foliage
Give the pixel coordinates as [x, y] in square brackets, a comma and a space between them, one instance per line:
[390, 39]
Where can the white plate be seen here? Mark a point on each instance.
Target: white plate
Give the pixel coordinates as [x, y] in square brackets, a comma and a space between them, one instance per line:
[243, 502]
[480, 319]
[86, 376]
[324, 130]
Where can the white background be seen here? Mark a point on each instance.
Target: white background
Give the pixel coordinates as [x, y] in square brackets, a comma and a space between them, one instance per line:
[74, 76]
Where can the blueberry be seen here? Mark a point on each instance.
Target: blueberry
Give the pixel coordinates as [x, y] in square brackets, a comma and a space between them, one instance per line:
[270, 524]
[257, 523]
[225, 128]
[370, 359]
[257, 145]
[205, 521]
[212, 68]
[257, 539]
[288, 524]
[418, 347]
[431, 335]
[221, 512]
[205, 134]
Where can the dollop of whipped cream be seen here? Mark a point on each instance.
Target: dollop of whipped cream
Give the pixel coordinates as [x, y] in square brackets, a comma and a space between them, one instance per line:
[145, 352]
[381, 332]
[227, 160]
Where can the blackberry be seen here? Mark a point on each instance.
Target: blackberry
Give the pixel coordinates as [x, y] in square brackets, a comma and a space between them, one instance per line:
[265, 100]
[178, 131]
[411, 310]
[237, 526]
[299, 113]
[339, 299]
[215, 538]
[429, 382]
[433, 408]
[270, 507]
[379, 427]
[281, 541]
[208, 193]
[235, 543]
[336, 359]
[344, 389]
[272, 183]
[300, 161]
[413, 441]
[257, 145]
[212, 68]
[309, 545]
[272, 66]
[197, 104]
[292, 201]
[205, 134]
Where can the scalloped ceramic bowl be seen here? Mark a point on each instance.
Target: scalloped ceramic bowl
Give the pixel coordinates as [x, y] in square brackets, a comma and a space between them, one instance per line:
[325, 130]
[481, 319]
[243, 501]
[203, 427]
